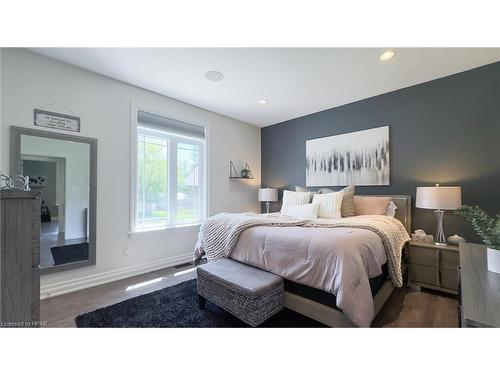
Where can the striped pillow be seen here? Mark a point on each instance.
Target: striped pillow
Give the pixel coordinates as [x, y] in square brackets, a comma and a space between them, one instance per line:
[329, 204]
[293, 198]
[347, 202]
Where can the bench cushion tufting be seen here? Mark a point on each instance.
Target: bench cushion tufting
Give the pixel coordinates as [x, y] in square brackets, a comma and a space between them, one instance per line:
[251, 294]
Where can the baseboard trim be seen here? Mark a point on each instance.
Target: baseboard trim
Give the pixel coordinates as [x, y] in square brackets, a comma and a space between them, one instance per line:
[73, 285]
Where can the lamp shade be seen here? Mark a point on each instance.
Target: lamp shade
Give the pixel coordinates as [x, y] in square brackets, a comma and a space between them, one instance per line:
[268, 195]
[439, 197]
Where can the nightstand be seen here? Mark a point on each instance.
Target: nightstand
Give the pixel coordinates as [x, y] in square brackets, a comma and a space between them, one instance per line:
[434, 267]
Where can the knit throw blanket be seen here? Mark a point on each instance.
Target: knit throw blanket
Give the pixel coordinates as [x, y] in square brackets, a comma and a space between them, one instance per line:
[219, 234]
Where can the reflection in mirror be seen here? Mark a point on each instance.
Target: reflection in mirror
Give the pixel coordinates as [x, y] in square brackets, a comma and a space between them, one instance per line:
[60, 170]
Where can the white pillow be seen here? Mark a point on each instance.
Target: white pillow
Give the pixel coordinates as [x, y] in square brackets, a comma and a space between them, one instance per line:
[292, 198]
[329, 204]
[391, 209]
[306, 211]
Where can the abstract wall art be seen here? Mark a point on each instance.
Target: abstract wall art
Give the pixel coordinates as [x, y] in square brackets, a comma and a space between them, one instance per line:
[359, 158]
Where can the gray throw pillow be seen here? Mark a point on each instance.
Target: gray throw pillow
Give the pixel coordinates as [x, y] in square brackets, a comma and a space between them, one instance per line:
[300, 189]
[325, 191]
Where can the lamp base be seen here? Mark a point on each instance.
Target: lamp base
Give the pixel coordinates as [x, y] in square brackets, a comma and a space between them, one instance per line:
[440, 244]
[267, 207]
[440, 237]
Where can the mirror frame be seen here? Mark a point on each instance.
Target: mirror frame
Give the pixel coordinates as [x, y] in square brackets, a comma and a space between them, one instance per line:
[15, 168]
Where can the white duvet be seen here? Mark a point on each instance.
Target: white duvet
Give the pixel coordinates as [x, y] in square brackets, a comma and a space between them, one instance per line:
[337, 260]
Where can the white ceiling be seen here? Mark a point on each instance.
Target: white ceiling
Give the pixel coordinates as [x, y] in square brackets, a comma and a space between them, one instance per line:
[294, 81]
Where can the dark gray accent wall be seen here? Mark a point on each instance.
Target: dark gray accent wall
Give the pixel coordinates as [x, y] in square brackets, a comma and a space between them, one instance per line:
[444, 131]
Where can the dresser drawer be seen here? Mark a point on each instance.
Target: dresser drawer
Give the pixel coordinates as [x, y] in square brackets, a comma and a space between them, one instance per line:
[449, 260]
[422, 256]
[423, 274]
[35, 232]
[35, 294]
[449, 279]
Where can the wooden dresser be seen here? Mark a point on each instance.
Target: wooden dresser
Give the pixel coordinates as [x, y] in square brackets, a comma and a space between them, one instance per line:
[19, 258]
[479, 289]
[434, 267]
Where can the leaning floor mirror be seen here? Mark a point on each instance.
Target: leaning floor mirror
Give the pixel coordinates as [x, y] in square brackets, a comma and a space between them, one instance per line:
[63, 168]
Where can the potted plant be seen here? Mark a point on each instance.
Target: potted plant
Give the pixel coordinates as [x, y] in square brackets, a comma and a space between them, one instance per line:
[488, 228]
[245, 172]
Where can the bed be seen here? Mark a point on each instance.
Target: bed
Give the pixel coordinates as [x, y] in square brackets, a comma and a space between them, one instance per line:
[337, 275]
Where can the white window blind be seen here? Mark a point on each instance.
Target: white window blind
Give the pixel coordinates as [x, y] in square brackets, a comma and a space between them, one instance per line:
[157, 122]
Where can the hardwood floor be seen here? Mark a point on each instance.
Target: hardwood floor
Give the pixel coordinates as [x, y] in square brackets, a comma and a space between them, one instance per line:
[61, 311]
[406, 307]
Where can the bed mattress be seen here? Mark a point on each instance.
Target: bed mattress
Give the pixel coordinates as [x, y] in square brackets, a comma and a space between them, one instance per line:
[329, 299]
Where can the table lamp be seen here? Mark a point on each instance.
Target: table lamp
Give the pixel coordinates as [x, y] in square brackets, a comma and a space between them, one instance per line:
[439, 198]
[268, 195]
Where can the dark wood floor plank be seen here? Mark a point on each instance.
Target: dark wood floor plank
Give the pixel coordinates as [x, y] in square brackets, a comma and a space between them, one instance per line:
[412, 308]
[61, 311]
[406, 307]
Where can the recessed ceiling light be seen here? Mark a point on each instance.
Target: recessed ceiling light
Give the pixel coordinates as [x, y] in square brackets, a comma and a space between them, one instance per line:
[214, 75]
[262, 101]
[387, 55]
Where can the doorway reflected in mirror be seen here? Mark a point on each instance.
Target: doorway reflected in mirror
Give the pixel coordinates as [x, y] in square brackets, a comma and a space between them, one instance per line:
[60, 171]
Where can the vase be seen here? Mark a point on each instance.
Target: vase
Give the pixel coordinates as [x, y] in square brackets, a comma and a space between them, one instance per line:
[493, 256]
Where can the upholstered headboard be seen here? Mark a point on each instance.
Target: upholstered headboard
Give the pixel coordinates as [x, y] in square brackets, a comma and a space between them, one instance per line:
[403, 213]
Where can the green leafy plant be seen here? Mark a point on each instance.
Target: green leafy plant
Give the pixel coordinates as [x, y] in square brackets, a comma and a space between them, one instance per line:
[485, 225]
[245, 173]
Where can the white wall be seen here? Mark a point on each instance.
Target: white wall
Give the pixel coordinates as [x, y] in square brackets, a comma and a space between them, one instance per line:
[77, 176]
[31, 81]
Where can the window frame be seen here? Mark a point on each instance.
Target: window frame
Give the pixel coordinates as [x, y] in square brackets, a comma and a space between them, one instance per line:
[172, 157]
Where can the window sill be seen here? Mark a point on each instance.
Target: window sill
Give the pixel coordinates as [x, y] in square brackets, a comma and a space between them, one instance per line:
[163, 230]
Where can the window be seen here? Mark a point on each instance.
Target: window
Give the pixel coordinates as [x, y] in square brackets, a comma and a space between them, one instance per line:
[170, 173]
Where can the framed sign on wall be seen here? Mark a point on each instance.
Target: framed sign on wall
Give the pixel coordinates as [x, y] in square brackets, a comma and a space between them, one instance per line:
[55, 120]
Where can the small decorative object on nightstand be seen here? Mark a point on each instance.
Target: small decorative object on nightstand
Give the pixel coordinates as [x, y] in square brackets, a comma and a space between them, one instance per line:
[421, 236]
[455, 240]
[268, 195]
[439, 198]
[433, 266]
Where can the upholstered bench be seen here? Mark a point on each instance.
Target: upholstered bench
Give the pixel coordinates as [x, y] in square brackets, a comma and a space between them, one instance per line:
[249, 293]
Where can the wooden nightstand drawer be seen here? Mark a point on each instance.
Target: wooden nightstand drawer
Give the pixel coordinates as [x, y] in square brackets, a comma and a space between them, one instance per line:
[449, 279]
[423, 274]
[449, 260]
[433, 266]
[422, 256]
